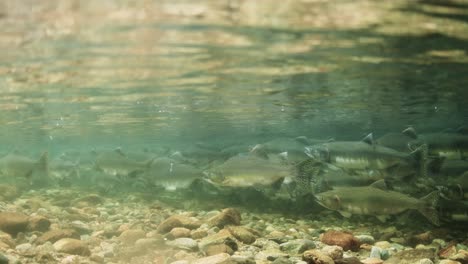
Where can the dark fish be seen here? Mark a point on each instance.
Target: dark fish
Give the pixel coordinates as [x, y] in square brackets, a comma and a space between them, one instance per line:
[398, 141]
[447, 145]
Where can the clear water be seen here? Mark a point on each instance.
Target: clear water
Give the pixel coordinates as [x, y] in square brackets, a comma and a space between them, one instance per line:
[128, 73]
[196, 76]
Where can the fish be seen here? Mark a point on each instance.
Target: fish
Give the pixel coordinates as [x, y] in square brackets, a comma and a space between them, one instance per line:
[365, 155]
[398, 141]
[313, 176]
[63, 169]
[14, 165]
[118, 164]
[453, 168]
[448, 145]
[172, 175]
[376, 200]
[250, 170]
[290, 149]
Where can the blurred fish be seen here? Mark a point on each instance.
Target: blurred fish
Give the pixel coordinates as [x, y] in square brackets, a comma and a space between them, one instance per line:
[291, 150]
[374, 200]
[365, 155]
[315, 176]
[61, 169]
[447, 145]
[452, 168]
[398, 141]
[250, 171]
[116, 163]
[13, 165]
[171, 174]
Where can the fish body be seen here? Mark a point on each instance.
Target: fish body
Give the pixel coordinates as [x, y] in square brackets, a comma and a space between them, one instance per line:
[13, 165]
[172, 175]
[116, 163]
[292, 149]
[249, 171]
[371, 200]
[396, 141]
[61, 169]
[447, 145]
[453, 167]
[359, 155]
[313, 176]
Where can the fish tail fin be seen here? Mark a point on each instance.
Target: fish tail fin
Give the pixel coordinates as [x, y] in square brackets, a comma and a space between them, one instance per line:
[420, 155]
[429, 202]
[43, 162]
[149, 162]
[306, 173]
[431, 214]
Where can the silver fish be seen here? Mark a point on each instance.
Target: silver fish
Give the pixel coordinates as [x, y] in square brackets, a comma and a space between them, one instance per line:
[171, 174]
[250, 171]
[373, 200]
[367, 156]
[13, 165]
[116, 163]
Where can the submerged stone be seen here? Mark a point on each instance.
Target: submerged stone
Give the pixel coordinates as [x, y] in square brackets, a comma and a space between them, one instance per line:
[13, 223]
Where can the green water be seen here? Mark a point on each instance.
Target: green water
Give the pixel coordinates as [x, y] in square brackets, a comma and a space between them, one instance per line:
[78, 76]
[127, 73]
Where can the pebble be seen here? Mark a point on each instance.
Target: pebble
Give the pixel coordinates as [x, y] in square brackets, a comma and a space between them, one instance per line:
[3, 259]
[425, 261]
[178, 232]
[343, 239]
[228, 216]
[334, 252]
[314, 256]
[366, 239]
[243, 234]
[215, 259]
[448, 261]
[297, 246]
[379, 253]
[129, 237]
[38, 223]
[372, 261]
[57, 234]
[177, 221]
[24, 249]
[223, 241]
[184, 243]
[282, 260]
[72, 246]
[13, 223]
[410, 256]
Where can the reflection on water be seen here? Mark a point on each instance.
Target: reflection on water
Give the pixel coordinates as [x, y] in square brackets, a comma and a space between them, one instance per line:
[123, 72]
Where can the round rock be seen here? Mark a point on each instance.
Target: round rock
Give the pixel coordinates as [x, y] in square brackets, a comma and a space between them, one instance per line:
[72, 246]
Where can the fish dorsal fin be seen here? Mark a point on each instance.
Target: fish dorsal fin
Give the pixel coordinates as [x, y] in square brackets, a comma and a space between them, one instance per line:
[380, 184]
[369, 139]
[345, 214]
[259, 151]
[303, 139]
[283, 155]
[120, 152]
[410, 132]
